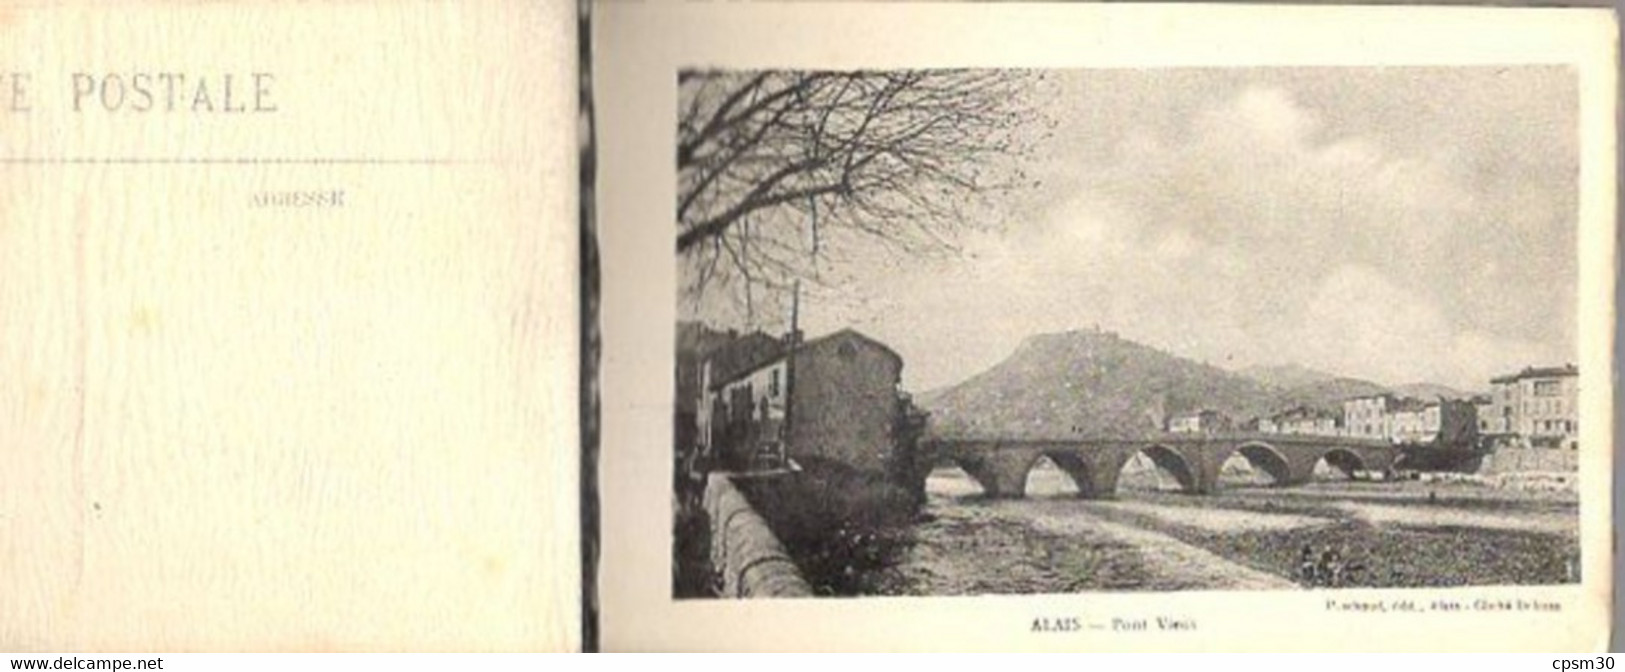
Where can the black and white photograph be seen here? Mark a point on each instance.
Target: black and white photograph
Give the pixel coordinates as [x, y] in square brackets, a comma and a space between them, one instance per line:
[990, 331]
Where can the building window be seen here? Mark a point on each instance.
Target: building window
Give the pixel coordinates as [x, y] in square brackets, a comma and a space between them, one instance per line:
[1547, 388]
[773, 383]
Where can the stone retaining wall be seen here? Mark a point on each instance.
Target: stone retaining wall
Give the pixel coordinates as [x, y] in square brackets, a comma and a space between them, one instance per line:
[1519, 460]
[744, 550]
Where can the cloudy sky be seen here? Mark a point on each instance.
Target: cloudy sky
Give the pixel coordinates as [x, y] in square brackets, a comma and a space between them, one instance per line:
[1394, 224]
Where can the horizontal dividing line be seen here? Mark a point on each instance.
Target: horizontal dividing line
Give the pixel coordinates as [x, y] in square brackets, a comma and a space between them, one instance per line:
[233, 161]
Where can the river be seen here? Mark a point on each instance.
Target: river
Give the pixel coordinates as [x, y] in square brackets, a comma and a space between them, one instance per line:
[1247, 537]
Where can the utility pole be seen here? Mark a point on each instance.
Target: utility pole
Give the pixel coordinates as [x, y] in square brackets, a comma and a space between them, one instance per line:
[790, 367]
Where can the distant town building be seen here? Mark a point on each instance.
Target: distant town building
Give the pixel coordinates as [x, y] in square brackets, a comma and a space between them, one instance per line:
[1261, 425]
[1367, 417]
[1505, 401]
[1405, 421]
[1202, 421]
[1410, 420]
[1540, 405]
[1489, 419]
[1306, 420]
[1451, 421]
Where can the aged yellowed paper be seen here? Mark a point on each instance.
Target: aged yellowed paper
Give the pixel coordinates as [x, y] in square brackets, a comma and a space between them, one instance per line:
[287, 354]
[1063, 327]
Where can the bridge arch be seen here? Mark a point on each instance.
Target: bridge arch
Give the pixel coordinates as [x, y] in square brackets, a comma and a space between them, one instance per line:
[1048, 477]
[1344, 460]
[1169, 460]
[1266, 458]
[1001, 472]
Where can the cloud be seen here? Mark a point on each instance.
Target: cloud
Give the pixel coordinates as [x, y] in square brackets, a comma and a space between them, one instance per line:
[1345, 219]
[1359, 320]
[1284, 234]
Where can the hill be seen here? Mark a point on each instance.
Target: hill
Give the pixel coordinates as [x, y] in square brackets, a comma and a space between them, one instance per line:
[1286, 376]
[1320, 389]
[1431, 391]
[1089, 383]
[1327, 394]
[1095, 383]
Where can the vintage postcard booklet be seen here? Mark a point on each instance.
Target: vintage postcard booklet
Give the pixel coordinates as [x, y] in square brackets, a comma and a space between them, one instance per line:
[541, 326]
[289, 339]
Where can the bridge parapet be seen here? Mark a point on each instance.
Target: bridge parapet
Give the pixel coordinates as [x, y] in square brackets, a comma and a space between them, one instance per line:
[1195, 460]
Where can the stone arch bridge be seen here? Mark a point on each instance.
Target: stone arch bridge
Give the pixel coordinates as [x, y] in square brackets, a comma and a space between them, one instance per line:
[1001, 466]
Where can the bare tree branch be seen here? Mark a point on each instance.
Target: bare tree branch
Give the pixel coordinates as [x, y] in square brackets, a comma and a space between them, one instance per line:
[893, 157]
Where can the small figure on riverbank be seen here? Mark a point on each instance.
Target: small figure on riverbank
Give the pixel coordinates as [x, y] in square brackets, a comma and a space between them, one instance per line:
[1308, 570]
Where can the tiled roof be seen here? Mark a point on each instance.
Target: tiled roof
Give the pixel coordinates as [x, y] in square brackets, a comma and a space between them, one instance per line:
[1410, 404]
[743, 355]
[1304, 413]
[1538, 372]
[762, 350]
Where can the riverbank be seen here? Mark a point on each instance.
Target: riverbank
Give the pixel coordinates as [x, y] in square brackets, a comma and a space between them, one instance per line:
[1397, 534]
